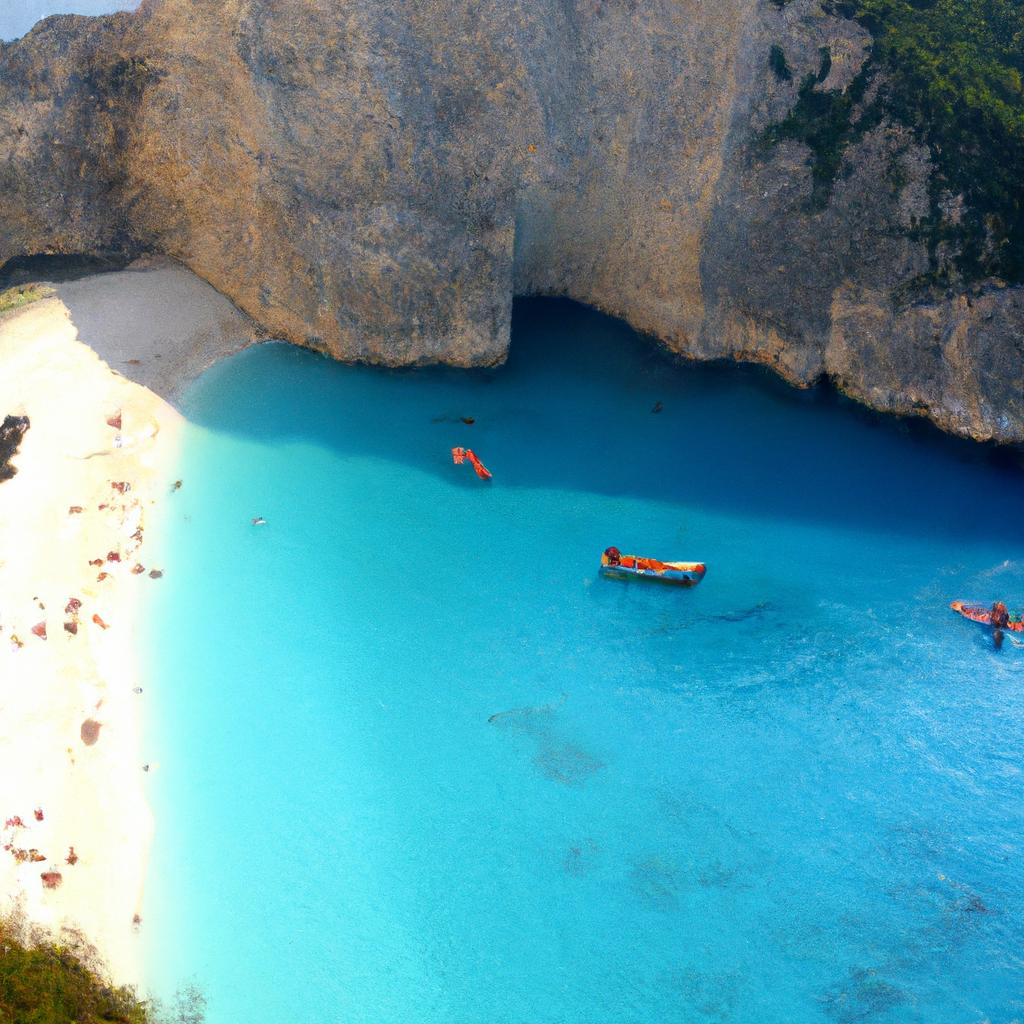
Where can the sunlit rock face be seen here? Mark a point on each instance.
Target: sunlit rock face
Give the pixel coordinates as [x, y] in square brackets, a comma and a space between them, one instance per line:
[377, 179]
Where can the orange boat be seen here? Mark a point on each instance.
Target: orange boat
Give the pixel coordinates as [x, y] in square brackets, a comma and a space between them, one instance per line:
[981, 613]
[683, 574]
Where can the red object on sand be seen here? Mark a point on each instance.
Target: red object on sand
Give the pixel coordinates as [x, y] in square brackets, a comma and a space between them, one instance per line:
[51, 879]
[96, 561]
[73, 605]
[72, 857]
[113, 556]
[39, 630]
[38, 812]
[99, 622]
[14, 822]
[115, 421]
[75, 510]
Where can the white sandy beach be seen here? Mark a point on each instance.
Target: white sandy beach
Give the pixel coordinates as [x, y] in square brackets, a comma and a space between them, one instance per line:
[70, 741]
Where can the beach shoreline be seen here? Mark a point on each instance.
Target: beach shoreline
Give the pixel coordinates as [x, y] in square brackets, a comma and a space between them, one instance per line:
[98, 457]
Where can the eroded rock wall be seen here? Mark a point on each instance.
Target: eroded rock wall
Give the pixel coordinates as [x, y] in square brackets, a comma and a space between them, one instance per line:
[377, 179]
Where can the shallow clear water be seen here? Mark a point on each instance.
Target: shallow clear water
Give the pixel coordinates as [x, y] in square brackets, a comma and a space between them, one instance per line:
[420, 765]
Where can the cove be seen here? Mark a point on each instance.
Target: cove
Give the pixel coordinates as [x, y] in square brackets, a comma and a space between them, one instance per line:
[418, 764]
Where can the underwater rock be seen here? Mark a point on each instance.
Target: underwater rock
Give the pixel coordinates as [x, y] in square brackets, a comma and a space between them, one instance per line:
[565, 762]
[556, 758]
[657, 883]
[864, 995]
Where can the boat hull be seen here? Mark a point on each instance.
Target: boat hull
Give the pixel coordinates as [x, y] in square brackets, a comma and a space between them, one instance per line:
[679, 574]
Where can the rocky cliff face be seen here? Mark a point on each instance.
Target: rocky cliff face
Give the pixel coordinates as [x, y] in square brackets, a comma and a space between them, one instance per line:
[377, 179]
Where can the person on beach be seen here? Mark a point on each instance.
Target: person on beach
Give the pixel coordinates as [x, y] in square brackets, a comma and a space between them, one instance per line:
[999, 617]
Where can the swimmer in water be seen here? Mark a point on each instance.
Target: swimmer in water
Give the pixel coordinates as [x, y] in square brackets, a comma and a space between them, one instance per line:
[1000, 619]
[259, 521]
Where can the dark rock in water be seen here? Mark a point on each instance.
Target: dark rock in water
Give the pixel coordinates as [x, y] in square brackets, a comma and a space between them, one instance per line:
[558, 759]
[12, 430]
[864, 995]
[565, 762]
[376, 179]
[579, 858]
[657, 883]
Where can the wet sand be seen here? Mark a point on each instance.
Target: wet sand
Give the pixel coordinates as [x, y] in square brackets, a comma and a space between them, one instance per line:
[98, 457]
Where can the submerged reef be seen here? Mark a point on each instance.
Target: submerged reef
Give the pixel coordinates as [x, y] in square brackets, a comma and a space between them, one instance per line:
[749, 179]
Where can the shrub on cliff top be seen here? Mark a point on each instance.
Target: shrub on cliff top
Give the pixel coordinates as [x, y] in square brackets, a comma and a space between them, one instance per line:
[47, 982]
[952, 71]
[22, 295]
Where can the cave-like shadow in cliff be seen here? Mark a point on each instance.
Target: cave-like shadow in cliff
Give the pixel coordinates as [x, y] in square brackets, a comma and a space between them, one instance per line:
[58, 269]
[586, 404]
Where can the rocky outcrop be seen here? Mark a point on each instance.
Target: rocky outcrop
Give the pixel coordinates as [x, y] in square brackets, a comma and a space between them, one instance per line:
[377, 180]
[12, 430]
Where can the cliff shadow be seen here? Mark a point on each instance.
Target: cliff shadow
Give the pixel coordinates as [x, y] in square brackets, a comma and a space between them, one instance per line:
[584, 403]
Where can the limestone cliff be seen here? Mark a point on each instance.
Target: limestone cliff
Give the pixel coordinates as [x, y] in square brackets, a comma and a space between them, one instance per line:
[377, 179]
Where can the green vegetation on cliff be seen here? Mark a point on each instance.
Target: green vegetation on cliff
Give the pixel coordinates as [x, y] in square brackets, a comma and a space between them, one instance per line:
[22, 295]
[43, 982]
[951, 70]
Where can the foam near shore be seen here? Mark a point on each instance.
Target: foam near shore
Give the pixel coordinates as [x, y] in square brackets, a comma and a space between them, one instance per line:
[97, 459]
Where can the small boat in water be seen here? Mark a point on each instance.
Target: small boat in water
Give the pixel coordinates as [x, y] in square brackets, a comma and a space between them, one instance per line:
[683, 574]
[460, 455]
[981, 613]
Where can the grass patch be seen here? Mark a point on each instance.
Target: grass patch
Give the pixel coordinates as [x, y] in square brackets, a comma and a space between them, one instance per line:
[22, 295]
[46, 982]
[777, 62]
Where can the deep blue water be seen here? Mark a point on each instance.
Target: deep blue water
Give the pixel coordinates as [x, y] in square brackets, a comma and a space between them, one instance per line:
[420, 765]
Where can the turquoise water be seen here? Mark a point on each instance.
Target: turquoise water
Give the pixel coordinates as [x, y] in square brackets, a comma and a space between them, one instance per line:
[420, 765]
